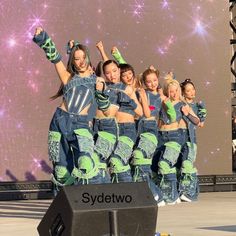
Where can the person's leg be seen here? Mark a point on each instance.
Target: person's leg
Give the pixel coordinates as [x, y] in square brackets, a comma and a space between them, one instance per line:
[59, 152]
[188, 184]
[119, 160]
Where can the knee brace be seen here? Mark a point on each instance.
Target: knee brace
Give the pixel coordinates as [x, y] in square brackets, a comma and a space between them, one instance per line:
[86, 168]
[187, 167]
[54, 139]
[85, 141]
[105, 144]
[117, 165]
[62, 176]
[145, 150]
[46, 43]
[165, 168]
[124, 149]
[171, 153]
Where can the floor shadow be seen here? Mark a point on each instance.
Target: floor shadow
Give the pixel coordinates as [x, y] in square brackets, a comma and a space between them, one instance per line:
[227, 228]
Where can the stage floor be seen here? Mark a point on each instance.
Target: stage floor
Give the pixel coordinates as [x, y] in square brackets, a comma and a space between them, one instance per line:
[213, 215]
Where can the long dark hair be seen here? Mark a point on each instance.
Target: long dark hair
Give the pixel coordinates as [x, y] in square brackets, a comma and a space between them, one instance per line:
[71, 67]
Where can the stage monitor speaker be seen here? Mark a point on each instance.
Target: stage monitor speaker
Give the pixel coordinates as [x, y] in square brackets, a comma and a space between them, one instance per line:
[123, 209]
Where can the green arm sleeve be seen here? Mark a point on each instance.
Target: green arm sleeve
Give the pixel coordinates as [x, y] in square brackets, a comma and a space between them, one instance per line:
[118, 57]
[170, 110]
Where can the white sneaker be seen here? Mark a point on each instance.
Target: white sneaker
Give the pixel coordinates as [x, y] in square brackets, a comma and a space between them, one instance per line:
[177, 201]
[161, 203]
[185, 199]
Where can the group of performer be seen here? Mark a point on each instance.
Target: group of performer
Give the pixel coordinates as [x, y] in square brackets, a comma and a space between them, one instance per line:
[113, 126]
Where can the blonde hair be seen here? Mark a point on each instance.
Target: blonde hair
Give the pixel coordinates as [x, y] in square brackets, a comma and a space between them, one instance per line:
[171, 82]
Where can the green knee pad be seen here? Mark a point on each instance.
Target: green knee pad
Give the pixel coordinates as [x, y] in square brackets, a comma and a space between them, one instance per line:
[105, 144]
[124, 148]
[187, 167]
[164, 168]
[139, 159]
[87, 168]
[85, 164]
[62, 176]
[98, 163]
[85, 140]
[117, 166]
[147, 143]
[172, 151]
[54, 139]
[192, 151]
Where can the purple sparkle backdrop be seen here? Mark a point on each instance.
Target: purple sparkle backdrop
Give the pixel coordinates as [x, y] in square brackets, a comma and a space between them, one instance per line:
[189, 37]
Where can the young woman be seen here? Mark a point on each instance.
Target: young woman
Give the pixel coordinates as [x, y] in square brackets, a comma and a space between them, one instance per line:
[70, 140]
[188, 183]
[170, 142]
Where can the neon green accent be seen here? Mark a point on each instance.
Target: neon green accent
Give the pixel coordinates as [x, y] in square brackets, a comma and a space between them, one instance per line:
[164, 168]
[117, 166]
[63, 176]
[118, 57]
[173, 145]
[151, 137]
[170, 111]
[85, 163]
[99, 164]
[54, 136]
[108, 136]
[127, 141]
[138, 159]
[51, 52]
[83, 132]
[86, 169]
[187, 167]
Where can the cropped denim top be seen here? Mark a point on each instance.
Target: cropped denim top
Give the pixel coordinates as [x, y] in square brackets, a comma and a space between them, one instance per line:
[179, 115]
[78, 93]
[154, 101]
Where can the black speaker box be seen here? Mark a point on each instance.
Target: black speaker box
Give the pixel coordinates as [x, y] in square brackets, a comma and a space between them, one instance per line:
[124, 209]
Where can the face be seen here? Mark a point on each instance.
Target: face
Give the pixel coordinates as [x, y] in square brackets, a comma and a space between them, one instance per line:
[189, 91]
[151, 82]
[127, 77]
[80, 60]
[112, 73]
[174, 92]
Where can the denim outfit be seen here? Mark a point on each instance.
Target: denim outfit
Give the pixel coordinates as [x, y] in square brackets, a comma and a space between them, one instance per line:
[188, 181]
[70, 139]
[119, 160]
[146, 145]
[166, 157]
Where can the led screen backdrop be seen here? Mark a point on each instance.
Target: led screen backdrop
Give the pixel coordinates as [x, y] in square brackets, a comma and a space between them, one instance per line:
[190, 38]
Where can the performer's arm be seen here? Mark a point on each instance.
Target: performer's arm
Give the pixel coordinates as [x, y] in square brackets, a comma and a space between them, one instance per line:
[144, 102]
[42, 39]
[101, 50]
[117, 55]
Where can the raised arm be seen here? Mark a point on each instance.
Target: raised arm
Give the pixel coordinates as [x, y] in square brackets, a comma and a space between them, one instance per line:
[42, 39]
[117, 55]
[101, 50]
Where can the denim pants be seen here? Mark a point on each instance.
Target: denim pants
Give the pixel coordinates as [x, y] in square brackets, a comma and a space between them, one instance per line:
[164, 163]
[105, 144]
[65, 146]
[122, 153]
